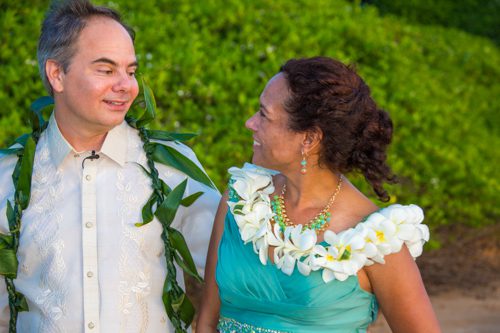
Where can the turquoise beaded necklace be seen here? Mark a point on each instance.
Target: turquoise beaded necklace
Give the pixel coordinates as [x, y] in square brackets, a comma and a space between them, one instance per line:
[319, 223]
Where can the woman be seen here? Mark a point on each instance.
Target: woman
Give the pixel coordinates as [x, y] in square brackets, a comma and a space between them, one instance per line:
[301, 249]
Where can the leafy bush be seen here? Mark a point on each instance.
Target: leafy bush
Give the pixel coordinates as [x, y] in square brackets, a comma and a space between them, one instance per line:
[477, 17]
[208, 61]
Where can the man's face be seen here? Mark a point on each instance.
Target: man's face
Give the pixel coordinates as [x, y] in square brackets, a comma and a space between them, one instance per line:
[99, 85]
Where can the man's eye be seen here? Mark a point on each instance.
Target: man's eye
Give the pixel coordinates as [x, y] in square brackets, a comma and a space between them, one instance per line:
[106, 71]
[262, 114]
[131, 73]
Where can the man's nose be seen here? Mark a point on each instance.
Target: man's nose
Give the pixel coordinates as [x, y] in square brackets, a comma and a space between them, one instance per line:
[124, 82]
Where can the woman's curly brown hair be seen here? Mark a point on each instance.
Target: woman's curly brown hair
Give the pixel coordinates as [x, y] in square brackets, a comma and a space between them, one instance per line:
[325, 94]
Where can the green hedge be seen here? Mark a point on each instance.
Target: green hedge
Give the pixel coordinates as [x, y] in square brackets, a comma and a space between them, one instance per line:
[477, 17]
[208, 61]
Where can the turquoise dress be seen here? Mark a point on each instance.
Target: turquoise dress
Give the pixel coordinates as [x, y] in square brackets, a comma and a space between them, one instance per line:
[261, 298]
[312, 287]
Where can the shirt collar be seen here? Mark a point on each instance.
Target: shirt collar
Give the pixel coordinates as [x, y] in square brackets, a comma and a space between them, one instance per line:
[116, 143]
[114, 146]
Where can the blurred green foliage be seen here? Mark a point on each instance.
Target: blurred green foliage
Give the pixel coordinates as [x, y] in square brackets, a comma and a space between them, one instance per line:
[207, 62]
[477, 17]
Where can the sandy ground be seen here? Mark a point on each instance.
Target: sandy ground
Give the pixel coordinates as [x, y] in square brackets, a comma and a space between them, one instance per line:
[460, 313]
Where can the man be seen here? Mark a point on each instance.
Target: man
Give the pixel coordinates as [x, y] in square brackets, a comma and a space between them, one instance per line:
[84, 265]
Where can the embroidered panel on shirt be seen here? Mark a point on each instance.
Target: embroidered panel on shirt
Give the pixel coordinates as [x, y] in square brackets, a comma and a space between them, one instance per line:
[44, 229]
[134, 188]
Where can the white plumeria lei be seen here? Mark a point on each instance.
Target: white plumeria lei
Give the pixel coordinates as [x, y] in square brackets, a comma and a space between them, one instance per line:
[382, 233]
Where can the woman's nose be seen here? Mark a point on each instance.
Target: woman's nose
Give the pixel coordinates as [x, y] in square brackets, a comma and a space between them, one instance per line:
[251, 123]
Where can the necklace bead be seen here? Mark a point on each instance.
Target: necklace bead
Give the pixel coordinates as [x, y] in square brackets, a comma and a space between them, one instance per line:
[319, 223]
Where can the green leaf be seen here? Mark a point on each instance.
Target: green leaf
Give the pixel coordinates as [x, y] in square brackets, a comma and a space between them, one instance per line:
[23, 186]
[185, 267]
[183, 306]
[6, 241]
[41, 103]
[135, 111]
[184, 258]
[168, 208]
[132, 121]
[150, 112]
[189, 200]
[21, 304]
[8, 151]
[37, 121]
[345, 255]
[147, 210]
[176, 303]
[165, 188]
[167, 287]
[186, 311]
[22, 139]
[11, 217]
[17, 171]
[170, 136]
[8, 263]
[146, 171]
[169, 156]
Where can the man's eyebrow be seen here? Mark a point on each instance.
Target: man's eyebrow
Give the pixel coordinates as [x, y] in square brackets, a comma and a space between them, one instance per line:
[105, 60]
[113, 63]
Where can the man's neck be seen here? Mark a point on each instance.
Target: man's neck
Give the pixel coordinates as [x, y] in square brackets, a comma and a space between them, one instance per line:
[79, 137]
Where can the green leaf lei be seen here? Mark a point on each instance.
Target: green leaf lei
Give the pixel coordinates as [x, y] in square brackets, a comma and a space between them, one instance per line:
[163, 203]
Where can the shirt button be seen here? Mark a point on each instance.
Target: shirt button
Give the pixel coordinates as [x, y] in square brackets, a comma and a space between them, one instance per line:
[91, 325]
[89, 225]
[163, 320]
[88, 177]
[90, 274]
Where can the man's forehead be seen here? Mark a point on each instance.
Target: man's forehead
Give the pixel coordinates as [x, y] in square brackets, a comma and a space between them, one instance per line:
[99, 29]
[105, 38]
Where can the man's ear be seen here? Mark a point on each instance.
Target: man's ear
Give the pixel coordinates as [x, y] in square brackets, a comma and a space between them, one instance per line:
[55, 75]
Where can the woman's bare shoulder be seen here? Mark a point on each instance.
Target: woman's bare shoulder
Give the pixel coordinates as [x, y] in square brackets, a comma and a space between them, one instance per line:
[351, 208]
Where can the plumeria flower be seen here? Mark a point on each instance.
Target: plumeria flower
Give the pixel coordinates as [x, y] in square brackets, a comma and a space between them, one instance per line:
[371, 240]
[253, 224]
[275, 238]
[383, 233]
[344, 256]
[249, 180]
[298, 243]
[286, 264]
[261, 246]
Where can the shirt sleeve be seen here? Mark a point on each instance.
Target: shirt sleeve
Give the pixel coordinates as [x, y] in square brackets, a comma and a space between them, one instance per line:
[195, 222]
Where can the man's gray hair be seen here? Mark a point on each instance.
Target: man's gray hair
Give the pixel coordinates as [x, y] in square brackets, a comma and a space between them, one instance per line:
[63, 23]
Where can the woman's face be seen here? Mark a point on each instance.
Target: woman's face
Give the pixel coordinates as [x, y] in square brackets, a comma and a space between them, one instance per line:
[275, 146]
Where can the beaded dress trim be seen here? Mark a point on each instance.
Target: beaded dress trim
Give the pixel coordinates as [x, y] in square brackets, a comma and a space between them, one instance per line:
[229, 325]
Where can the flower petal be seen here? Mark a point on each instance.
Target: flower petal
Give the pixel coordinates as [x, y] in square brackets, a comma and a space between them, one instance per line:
[327, 275]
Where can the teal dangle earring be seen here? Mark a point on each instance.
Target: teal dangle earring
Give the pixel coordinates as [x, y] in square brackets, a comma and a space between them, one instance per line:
[303, 163]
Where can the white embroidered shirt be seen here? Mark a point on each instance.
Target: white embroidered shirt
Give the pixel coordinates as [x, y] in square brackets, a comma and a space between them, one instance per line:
[83, 264]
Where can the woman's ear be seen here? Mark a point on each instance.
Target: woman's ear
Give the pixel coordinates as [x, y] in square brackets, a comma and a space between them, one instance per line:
[312, 141]
[55, 75]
